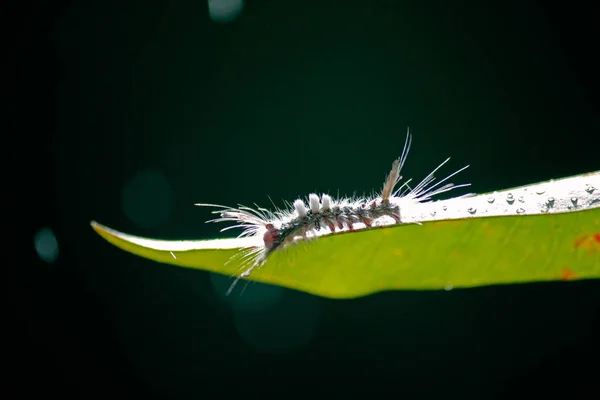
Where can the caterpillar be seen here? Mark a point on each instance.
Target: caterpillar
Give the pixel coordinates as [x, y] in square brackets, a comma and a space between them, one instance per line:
[307, 219]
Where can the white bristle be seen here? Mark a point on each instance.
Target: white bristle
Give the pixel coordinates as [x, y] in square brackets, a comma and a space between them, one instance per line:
[300, 208]
[326, 202]
[313, 201]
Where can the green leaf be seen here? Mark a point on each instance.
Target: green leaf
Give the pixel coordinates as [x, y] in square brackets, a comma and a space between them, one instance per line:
[544, 232]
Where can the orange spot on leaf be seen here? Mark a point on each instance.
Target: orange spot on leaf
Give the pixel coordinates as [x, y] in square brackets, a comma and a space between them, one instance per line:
[567, 274]
[580, 241]
[591, 243]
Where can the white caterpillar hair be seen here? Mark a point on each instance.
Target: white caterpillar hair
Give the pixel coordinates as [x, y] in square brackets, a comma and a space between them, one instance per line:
[325, 215]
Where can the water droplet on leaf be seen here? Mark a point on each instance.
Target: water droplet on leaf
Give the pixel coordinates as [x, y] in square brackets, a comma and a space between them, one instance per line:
[589, 188]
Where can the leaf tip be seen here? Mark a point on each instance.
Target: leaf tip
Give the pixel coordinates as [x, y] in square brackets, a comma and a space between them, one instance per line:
[97, 226]
[103, 231]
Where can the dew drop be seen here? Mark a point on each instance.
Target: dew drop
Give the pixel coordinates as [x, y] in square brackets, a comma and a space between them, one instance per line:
[550, 202]
[491, 200]
[521, 199]
[540, 191]
[510, 198]
[574, 200]
[520, 211]
[433, 213]
[471, 210]
[448, 287]
[444, 208]
[589, 188]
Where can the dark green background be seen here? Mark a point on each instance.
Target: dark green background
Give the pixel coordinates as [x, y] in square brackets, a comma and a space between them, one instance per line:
[128, 112]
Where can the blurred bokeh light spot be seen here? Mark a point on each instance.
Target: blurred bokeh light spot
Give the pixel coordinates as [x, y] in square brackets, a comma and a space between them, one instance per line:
[46, 245]
[246, 296]
[284, 328]
[224, 10]
[147, 198]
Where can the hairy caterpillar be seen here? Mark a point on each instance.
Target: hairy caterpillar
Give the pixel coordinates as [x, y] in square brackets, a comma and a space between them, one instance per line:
[277, 229]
